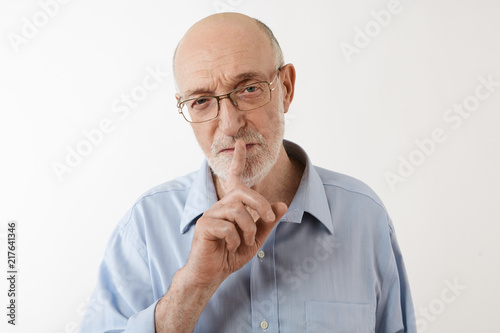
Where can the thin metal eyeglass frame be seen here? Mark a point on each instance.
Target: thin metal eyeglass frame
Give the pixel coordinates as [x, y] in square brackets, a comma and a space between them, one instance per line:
[220, 97]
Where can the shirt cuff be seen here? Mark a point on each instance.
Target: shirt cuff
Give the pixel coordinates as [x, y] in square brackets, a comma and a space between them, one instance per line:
[143, 322]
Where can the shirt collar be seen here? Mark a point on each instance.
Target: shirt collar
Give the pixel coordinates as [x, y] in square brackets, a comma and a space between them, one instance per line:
[201, 197]
[310, 197]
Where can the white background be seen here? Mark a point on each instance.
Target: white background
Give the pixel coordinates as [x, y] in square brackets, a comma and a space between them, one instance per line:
[356, 117]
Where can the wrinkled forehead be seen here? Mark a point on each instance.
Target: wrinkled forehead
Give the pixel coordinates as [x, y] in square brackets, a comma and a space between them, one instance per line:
[219, 54]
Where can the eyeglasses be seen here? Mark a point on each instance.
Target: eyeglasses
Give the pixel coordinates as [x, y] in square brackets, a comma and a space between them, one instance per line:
[246, 98]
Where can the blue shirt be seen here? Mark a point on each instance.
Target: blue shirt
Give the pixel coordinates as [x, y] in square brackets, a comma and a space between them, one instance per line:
[332, 264]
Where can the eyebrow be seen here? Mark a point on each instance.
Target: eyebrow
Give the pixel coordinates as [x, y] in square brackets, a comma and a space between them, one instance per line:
[238, 78]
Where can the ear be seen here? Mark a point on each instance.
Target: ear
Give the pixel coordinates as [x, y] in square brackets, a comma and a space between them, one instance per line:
[287, 80]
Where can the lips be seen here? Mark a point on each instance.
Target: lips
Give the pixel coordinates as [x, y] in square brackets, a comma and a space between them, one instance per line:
[231, 149]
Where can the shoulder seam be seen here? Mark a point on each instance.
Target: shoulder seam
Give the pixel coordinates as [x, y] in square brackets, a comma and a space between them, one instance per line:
[357, 192]
[159, 192]
[149, 195]
[124, 227]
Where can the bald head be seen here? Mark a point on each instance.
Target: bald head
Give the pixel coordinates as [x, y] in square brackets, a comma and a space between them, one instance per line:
[222, 30]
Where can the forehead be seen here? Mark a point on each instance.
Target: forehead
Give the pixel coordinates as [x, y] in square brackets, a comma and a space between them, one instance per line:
[221, 55]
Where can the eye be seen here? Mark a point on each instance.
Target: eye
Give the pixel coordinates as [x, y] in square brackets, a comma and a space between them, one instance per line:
[251, 89]
[200, 102]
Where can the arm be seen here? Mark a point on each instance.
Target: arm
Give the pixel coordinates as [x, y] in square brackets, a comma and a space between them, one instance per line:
[115, 304]
[226, 237]
[396, 306]
[179, 309]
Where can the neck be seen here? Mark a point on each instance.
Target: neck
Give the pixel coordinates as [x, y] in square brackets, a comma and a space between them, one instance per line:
[279, 185]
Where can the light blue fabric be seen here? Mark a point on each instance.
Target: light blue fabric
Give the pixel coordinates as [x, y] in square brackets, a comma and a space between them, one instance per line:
[332, 264]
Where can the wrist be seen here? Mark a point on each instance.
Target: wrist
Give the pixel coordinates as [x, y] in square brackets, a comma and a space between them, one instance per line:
[185, 279]
[179, 309]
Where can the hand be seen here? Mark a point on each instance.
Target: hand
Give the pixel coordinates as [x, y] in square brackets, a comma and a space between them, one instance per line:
[226, 237]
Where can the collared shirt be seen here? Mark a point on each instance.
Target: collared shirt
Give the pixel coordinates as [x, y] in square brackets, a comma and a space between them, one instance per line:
[332, 264]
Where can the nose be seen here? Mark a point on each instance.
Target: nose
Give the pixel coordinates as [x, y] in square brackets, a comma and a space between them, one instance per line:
[230, 118]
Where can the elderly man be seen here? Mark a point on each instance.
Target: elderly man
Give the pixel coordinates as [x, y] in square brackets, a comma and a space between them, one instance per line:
[258, 239]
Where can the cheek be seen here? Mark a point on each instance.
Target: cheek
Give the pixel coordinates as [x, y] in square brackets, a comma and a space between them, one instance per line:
[204, 135]
[272, 123]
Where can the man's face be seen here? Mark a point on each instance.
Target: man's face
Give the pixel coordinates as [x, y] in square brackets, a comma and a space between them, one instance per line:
[215, 59]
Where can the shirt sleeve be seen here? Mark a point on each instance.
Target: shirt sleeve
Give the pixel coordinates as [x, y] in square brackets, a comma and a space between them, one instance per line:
[396, 307]
[123, 299]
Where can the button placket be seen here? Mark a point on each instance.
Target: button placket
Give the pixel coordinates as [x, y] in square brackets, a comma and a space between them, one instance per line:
[263, 288]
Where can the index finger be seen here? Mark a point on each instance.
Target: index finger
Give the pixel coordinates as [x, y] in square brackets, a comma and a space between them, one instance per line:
[235, 172]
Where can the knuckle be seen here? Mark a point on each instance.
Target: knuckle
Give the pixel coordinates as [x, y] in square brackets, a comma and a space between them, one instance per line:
[236, 190]
[203, 221]
[230, 209]
[224, 230]
[252, 228]
[227, 228]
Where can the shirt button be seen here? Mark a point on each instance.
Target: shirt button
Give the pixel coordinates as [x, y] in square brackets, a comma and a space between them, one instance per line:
[264, 325]
[261, 254]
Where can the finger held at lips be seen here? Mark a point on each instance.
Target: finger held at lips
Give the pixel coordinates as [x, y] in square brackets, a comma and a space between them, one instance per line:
[235, 177]
[235, 174]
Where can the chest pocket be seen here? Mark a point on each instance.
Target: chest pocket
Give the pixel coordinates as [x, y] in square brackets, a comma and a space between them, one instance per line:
[323, 317]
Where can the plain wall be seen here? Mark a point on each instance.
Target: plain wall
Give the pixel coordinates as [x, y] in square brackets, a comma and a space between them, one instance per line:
[376, 107]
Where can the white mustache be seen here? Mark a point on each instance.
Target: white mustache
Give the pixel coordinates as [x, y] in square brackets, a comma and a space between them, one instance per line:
[227, 142]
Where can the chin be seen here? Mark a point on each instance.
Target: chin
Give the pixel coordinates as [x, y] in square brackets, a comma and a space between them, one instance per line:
[257, 167]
